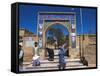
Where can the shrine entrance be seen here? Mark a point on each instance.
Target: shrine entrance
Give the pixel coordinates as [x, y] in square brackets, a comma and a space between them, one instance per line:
[68, 20]
[57, 35]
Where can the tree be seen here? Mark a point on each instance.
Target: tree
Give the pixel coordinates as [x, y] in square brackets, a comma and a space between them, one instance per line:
[58, 34]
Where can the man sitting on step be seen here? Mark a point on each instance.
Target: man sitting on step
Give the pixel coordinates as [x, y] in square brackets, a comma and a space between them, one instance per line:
[50, 54]
[36, 57]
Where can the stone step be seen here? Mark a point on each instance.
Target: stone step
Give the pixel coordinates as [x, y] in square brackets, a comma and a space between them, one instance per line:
[53, 66]
[55, 61]
[56, 57]
[43, 69]
[56, 51]
[56, 54]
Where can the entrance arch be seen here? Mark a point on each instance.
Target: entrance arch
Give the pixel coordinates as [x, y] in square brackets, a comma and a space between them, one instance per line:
[68, 20]
[63, 23]
[57, 24]
[65, 34]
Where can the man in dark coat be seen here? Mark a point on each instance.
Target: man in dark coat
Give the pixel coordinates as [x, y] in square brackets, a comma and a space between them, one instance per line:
[50, 54]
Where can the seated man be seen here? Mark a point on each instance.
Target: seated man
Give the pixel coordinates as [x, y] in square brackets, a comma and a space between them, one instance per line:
[50, 54]
[36, 57]
[36, 61]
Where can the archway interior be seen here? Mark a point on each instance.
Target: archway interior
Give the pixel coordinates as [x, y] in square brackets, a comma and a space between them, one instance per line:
[57, 35]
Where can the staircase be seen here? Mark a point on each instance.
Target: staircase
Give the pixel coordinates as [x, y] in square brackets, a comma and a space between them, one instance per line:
[53, 65]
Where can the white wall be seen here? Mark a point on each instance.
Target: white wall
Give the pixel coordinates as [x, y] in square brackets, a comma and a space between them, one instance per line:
[5, 24]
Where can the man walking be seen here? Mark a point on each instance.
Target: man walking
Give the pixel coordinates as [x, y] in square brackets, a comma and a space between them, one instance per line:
[62, 63]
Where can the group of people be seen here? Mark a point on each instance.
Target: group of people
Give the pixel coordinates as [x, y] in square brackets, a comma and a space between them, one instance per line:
[36, 57]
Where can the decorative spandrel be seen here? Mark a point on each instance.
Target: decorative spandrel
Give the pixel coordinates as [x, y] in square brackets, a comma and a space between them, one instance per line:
[65, 24]
[57, 17]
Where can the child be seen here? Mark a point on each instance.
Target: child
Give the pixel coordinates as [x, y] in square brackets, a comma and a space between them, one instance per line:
[62, 63]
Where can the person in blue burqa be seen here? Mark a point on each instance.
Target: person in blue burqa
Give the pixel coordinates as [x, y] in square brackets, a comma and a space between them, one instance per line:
[62, 63]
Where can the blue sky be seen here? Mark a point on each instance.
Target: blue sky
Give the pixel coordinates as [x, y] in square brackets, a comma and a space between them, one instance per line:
[28, 17]
[57, 26]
